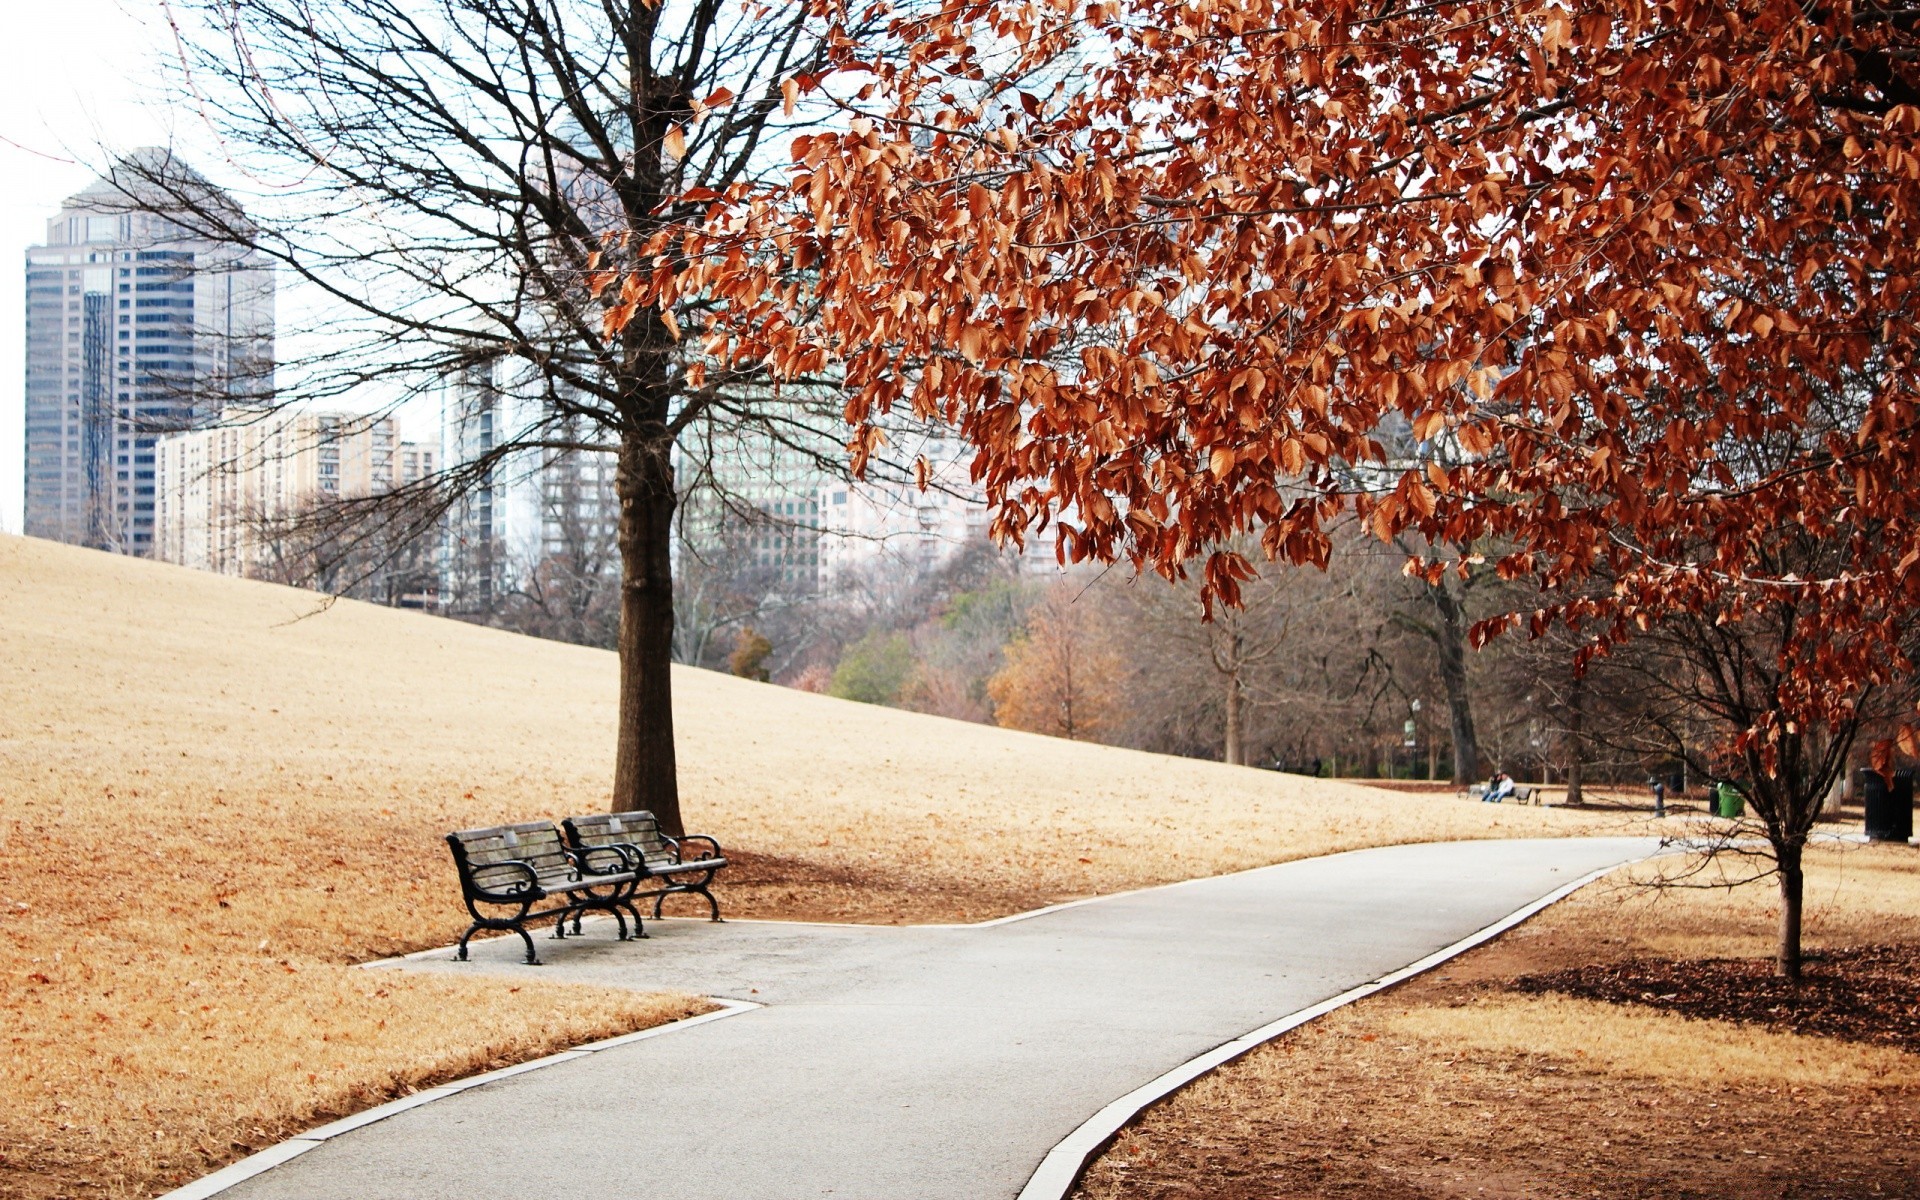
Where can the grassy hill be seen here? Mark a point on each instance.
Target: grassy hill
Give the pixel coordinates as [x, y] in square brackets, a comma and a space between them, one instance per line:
[215, 794]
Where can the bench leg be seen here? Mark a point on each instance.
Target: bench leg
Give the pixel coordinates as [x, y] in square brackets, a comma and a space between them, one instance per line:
[615, 904]
[687, 889]
[711, 902]
[533, 960]
[517, 923]
[639, 927]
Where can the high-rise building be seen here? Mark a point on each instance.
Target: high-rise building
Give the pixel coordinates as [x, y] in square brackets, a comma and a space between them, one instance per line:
[136, 327]
[228, 496]
[879, 527]
[751, 503]
[518, 504]
[415, 462]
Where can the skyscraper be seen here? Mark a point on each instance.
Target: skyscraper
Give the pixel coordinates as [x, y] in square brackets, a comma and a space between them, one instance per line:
[525, 504]
[135, 328]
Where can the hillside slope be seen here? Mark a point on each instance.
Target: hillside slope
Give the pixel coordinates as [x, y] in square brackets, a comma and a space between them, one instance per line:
[171, 686]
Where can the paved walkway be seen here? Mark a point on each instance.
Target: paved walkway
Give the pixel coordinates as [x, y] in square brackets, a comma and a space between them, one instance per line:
[920, 1063]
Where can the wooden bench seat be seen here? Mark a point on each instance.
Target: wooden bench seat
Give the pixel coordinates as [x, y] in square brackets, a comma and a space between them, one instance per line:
[512, 874]
[686, 864]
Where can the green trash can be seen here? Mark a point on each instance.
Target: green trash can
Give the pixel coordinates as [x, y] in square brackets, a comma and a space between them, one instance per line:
[1728, 800]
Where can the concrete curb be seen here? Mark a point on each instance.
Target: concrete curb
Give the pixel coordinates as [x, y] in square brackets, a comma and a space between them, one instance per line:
[265, 1160]
[1061, 1169]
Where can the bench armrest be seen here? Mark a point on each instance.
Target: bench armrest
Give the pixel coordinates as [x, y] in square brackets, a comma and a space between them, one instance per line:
[623, 858]
[680, 849]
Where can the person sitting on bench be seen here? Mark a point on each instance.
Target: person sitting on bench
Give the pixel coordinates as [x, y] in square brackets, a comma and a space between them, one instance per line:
[1498, 788]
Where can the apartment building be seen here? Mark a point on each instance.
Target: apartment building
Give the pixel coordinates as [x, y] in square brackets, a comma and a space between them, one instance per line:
[226, 494]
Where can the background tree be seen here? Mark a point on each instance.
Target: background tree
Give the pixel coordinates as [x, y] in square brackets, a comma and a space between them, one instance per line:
[1639, 276]
[750, 653]
[381, 548]
[1226, 664]
[570, 591]
[1440, 616]
[1062, 678]
[875, 669]
[727, 582]
[959, 648]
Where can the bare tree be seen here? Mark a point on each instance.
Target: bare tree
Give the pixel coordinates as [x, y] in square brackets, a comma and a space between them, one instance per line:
[383, 548]
[570, 591]
[735, 576]
[461, 182]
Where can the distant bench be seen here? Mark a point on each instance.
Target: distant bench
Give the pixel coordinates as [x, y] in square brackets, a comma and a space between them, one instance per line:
[1522, 793]
[513, 874]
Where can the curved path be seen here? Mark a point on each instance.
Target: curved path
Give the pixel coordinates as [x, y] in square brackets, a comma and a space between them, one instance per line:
[921, 1063]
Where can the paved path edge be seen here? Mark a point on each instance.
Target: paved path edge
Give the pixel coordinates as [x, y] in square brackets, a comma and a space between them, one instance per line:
[234, 1174]
[1063, 1166]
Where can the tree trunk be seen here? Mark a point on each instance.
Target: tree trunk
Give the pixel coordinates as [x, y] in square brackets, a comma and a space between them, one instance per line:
[1235, 750]
[1450, 640]
[1792, 884]
[1066, 693]
[644, 774]
[1576, 741]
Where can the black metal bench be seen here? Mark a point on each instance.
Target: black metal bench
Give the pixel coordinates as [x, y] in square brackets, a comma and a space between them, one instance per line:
[637, 836]
[512, 874]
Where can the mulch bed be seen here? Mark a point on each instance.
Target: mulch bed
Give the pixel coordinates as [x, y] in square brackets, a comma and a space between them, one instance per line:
[1860, 993]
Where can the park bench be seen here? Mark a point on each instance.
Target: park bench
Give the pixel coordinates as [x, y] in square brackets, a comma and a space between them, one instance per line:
[637, 836]
[1522, 793]
[512, 874]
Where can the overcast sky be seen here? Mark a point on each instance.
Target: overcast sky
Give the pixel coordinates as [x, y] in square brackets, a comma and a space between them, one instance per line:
[74, 76]
[81, 80]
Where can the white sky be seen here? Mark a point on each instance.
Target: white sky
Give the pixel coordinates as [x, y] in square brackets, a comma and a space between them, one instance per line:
[80, 81]
[76, 79]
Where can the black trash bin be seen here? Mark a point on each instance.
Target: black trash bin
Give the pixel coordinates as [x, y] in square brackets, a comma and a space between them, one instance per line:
[1889, 806]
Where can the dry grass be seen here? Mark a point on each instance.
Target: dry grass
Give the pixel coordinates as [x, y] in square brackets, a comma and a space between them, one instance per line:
[131, 1071]
[214, 795]
[1854, 894]
[1612, 1040]
[1453, 1085]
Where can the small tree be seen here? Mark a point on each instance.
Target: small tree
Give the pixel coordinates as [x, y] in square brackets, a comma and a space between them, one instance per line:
[874, 669]
[749, 657]
[1063, 676]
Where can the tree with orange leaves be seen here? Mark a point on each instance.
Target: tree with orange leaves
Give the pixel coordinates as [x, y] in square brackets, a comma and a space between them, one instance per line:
[1621, 295]
[1063, 676]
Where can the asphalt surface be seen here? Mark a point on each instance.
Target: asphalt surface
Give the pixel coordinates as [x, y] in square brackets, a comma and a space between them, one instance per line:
[929, 1063]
